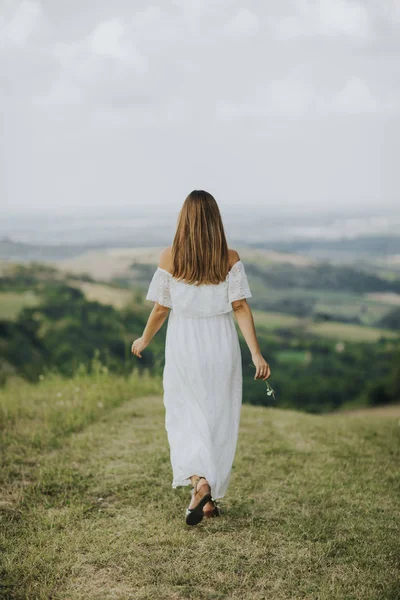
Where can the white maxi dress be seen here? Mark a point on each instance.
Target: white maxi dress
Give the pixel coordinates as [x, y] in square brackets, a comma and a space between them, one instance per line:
[202, 376]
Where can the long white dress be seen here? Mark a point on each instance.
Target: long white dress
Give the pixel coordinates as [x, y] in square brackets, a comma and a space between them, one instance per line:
[202, 377]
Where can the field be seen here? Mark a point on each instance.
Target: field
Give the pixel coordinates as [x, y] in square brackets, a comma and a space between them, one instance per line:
[106, 294]
[121, 275]
[12, 302]
[107, 264]
[342, 331]
[88, 511]
[114, 262]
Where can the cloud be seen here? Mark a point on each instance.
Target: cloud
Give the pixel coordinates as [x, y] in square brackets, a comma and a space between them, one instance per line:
[167, 61]
[109, 40]
[325, 18]
[244, 22]
[355, 98]
[147, 16]
[106, 40]
[103, 68]
[287, 97]
[192, 10]
[241, 83]
[23, 22]
[293, 97]
[290, 96]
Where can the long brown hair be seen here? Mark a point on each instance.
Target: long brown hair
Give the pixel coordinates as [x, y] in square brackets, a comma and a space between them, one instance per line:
[199, 249]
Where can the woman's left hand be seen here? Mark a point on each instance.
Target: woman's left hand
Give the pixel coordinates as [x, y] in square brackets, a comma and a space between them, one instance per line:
[137, 346]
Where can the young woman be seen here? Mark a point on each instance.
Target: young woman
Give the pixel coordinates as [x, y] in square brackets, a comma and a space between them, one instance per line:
[205, 284]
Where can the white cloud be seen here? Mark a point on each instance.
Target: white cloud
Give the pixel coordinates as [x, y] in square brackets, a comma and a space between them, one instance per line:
[103, 67]
[106, 39]
[343, 17]
[111, 39]
[325, 18]
[293, 97]
[145, 78]
[62, 93]
[147, 16]
[290, 97]
[23, 22]
[355, 98]
[244, 22]
[192, 10]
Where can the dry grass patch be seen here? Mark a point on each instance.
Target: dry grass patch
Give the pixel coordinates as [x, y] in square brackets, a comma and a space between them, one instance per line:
[105, 294]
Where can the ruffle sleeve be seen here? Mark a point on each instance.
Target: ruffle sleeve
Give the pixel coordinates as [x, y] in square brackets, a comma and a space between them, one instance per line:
[160, 288]
[238, 287]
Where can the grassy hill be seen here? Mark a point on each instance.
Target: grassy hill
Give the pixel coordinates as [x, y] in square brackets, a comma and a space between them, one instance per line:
[53, 321]
[88, 511]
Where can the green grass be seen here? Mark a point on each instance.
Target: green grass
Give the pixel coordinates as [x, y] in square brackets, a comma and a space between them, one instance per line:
[88, 511]
[105, 294]
[41, 416]
[333, 302]
[351, 333]
[299, 357]
[272, 321]
[12, 302]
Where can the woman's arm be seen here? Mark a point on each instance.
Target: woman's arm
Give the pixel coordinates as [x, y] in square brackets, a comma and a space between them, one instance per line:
[154, 323]
[244, 318]
[157, 315]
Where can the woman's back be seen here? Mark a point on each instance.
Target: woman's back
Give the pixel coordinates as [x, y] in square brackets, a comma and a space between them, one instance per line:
[204, 300]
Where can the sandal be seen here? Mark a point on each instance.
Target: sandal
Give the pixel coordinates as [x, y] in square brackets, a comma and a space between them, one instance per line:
[195, 515]
[215, 512]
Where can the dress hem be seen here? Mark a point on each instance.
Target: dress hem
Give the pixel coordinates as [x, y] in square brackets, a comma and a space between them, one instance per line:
[186, 482]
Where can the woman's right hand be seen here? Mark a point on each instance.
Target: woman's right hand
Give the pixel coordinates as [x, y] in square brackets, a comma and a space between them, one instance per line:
[262, 367]
[139, 345]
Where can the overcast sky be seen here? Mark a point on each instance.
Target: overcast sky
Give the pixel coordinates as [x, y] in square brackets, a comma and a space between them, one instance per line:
[287, 105]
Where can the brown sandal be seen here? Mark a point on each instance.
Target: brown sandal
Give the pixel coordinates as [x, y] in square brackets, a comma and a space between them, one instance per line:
[215, 512]
[195, 515]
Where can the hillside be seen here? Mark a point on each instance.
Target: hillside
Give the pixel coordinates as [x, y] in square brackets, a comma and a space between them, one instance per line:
[88, 511]
[50, 320]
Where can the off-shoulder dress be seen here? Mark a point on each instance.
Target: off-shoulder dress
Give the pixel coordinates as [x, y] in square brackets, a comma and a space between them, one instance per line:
[202, 376]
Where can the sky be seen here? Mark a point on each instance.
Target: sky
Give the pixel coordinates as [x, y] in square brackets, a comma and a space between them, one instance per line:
[271, 106]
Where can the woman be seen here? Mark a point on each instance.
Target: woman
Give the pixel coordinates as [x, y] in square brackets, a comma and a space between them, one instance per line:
[204, 283]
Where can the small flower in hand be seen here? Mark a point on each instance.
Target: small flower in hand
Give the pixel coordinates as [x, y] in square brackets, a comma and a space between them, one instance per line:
[270, 389]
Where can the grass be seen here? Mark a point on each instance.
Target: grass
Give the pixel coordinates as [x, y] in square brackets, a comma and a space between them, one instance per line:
[299, 357]
[275, 320]
[88, 511]
[351, 333]
[12, 302]
[105, 294]
[41, 416]
[333, 302]
[328, 329]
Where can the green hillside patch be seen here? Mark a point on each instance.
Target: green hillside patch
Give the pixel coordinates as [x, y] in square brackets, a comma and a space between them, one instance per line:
[106, 294]
[351, 333]
[299, 357]
[274, 321]
[311, 511]
[12, 302]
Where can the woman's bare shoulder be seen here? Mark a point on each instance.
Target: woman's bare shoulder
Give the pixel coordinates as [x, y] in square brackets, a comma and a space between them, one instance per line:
[233, 257]
[165, 260]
